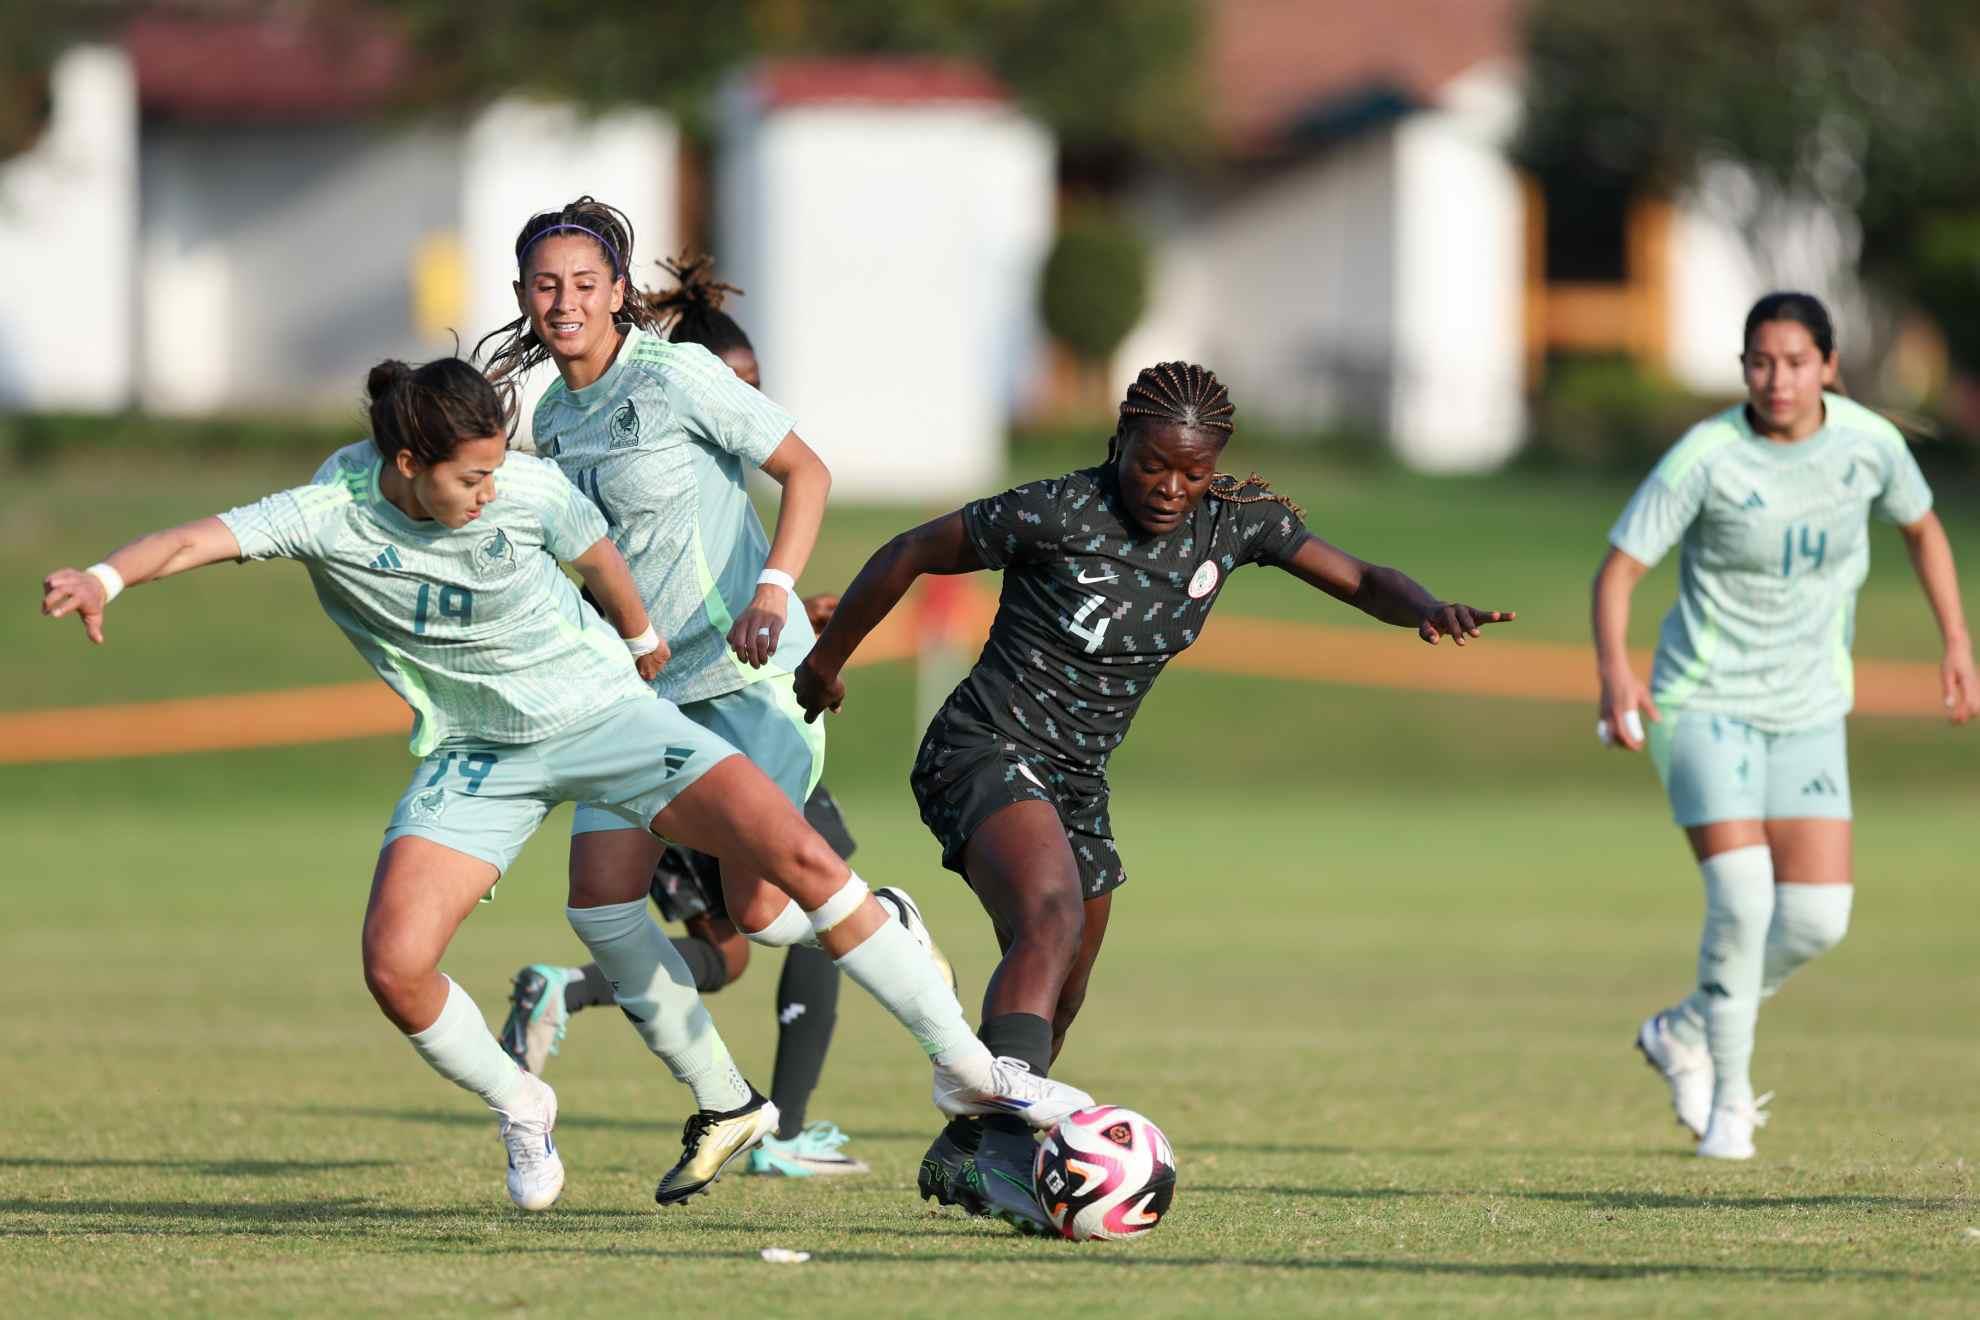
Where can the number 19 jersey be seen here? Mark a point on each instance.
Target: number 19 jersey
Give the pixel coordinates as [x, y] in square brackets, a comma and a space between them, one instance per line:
[1774, 545]
[476, 627]
[1093, 607]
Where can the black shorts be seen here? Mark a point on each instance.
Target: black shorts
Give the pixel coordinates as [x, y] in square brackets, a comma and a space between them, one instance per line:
[960, 784]
[688, 884]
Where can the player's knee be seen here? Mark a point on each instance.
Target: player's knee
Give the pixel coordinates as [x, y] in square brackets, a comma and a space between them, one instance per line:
[1813, 934]
[1054, 918]
[392, 971]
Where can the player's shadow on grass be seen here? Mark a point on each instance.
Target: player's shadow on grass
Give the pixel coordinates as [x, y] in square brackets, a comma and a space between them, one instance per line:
[480, 1118]
[1627, 1200]
[211, 1168]
[338, 1216]
[1034, 1252]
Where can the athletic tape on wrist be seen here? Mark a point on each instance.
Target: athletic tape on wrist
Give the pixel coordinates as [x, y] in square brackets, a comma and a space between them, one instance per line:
[645, 644]
[839, 906]
[776, 577]
[112, 580]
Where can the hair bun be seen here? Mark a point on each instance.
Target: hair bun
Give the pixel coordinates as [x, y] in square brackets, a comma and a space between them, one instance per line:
[386, 377]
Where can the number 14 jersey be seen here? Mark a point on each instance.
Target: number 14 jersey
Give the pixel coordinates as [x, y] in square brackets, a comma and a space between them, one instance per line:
[1093, 607]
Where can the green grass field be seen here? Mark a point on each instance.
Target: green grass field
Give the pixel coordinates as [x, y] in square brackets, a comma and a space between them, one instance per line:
[1376, 975]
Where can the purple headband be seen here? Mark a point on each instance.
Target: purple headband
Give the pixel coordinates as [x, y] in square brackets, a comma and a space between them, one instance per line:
[611, 251]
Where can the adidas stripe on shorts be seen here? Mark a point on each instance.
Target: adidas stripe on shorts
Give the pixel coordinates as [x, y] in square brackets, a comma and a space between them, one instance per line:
[630, 762]
[1718, 768]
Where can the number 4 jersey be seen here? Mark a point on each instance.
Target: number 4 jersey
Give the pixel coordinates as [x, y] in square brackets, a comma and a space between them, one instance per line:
[1775, 544]
[1093, 607]
[476, 627]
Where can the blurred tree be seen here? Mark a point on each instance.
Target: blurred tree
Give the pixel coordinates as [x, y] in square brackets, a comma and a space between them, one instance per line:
[1105, 74]
[1867, 106]
[1094, 287]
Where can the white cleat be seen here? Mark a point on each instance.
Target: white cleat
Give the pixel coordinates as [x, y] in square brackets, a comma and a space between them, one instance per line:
[1729, 1136]
[1688, 1069]
[981, 1085]
[536, 1173]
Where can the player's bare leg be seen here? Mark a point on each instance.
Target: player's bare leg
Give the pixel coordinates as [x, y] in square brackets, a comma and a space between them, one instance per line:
[736, 813]
[421, 891]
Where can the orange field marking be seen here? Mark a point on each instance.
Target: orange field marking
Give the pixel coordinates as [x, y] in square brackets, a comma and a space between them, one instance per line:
[1497, 665]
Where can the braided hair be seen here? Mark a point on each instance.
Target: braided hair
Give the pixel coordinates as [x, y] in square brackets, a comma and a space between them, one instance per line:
[1187, 395]
[692, 309]
[517, 349]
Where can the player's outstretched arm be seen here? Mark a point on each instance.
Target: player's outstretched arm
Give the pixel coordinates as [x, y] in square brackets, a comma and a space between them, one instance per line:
[1388, 594]
[940, 546]
[1932, 561]
[1624, 695]
[610, 582]
[158, 555]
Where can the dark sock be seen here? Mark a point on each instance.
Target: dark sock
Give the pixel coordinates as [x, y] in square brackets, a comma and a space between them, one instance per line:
[807, 1008]
[1022, 1036]
[966, 1132]
[591, 990]
[704, 962]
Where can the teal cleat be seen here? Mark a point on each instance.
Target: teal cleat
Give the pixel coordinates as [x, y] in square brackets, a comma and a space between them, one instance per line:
[816, 1151]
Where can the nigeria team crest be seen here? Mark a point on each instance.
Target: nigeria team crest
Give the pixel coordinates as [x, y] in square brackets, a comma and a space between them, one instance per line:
[495, 557]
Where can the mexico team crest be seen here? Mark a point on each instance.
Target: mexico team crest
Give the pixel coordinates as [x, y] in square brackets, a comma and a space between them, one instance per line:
[426, 807]
[495, 556]
[625, 425]
[1204, 581]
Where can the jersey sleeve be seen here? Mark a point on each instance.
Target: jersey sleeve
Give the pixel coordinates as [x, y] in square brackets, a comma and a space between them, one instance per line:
[572, 524]
[1272, 531]
[715, 405]
[285, 525]
[1906, 497]
[1656, 516]
[1018, 526]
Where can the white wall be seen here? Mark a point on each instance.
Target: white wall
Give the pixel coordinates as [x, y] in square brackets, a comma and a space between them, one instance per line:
[1730, 244]
[890, 257]
[1460, 283]
[278, 260]
[68, 227]
[1376, 282]
[521, 157]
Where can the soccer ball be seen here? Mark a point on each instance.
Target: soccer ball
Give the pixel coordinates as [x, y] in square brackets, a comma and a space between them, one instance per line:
[1104, 1172]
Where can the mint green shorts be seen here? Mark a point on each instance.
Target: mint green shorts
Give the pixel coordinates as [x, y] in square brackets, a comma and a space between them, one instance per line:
[1718, 768]
[762, 721]
[626, 766]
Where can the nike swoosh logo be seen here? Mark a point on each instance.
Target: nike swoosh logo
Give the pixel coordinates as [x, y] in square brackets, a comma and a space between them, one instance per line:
[1086, 581]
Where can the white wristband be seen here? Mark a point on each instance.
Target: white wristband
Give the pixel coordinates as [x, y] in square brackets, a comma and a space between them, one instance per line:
[776, 577]
[1632, 722]
[112, 580]
[645, 644]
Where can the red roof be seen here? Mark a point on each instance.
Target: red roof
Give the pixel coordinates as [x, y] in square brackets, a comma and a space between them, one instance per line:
[1273, 61]
[883, 81]
[266, 68]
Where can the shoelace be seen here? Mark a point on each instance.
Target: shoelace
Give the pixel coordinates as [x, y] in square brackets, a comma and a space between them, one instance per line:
[696, 1126]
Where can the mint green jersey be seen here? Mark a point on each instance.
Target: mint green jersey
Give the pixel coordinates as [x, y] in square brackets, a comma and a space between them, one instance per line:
[476, 627]
[1775, 543]
[662, 443]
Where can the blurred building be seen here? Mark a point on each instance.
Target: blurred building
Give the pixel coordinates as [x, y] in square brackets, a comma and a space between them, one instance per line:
[1365, 252]
[888, 220]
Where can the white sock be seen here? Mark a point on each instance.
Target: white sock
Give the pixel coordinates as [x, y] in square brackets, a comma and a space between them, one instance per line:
[1739, 906]
[1809, 920]
[461, 1049]
[656, 990]
[789, 927]
[892, 966]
